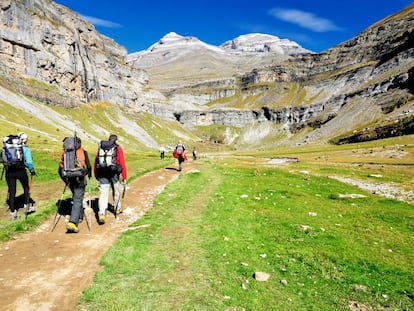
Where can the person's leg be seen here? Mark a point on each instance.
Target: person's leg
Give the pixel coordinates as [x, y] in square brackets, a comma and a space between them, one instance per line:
[11, 184]
[78, 193]
[115, 193]
[103, 198]
[24, 181]
[180, 163]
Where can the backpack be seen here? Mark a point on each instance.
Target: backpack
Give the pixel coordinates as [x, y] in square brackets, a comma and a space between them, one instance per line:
[107, 157]
[72, 161]
[12, 153]
[179, 149]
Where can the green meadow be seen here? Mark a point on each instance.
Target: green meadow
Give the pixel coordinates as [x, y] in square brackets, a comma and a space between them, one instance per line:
[320, 243]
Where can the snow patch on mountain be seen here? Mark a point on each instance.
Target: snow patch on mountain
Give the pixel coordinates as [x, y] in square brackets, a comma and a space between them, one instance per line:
[173, 47]
[262, 43]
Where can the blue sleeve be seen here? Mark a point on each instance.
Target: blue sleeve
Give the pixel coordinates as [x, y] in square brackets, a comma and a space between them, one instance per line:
[28, 158]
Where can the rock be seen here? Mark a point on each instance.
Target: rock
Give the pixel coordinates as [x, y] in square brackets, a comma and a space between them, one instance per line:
[261, 276]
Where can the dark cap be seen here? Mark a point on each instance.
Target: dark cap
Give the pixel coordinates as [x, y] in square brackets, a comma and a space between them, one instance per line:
[113, 137]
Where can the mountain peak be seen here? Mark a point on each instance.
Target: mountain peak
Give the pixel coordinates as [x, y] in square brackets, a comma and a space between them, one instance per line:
[258, 42]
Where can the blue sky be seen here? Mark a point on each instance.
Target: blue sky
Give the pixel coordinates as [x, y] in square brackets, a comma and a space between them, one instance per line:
[315, 25]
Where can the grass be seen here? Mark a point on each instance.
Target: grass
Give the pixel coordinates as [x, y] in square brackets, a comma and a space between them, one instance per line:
[210, 231]
[47, 187]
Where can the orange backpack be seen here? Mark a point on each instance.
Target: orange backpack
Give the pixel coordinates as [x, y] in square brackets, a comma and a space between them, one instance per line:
[72, 160]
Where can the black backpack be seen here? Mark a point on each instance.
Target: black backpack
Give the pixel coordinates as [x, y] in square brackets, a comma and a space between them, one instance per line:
[73, 158]
[107, 157]
[12, 153]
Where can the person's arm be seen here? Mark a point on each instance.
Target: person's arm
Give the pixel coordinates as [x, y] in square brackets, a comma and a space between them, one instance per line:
[121, 161]
[88, 164]
[28, 160]
[95, 163]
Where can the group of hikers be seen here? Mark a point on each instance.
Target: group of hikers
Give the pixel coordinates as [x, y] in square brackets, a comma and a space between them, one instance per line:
[74, 167]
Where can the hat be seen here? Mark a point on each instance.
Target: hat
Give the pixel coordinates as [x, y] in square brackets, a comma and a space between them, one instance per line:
[22, 136]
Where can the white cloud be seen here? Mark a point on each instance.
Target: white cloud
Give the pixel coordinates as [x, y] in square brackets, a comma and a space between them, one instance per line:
[304, 19]
[101, 22]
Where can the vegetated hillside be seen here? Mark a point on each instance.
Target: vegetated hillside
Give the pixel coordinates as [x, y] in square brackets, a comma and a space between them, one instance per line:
[361, 89]
[47, 125]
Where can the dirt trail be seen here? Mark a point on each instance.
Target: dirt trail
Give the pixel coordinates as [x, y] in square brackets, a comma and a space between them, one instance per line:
[46, 270]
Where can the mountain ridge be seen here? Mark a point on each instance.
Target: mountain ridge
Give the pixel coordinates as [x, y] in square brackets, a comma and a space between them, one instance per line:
[365, 82]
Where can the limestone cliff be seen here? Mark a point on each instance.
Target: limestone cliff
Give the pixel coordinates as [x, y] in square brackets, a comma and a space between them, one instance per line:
[48, 43]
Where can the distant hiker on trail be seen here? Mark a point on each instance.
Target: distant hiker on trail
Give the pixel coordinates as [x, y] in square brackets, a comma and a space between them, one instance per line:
[179, 154]
[74, 165]
[16, 158]
[109, 167]
[194, 153]
[162, 153]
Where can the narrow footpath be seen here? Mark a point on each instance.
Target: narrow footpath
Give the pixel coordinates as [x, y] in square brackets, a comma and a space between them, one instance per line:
[47, 271]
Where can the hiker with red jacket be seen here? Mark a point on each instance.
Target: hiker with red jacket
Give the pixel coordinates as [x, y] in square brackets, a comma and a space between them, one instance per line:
[110, 169]
[179, 154]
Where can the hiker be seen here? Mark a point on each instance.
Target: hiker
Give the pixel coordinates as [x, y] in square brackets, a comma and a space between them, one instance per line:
[162, 153]
[109, 168]
[179, 154]
[74, 166]
[17, 157]
[194, 153]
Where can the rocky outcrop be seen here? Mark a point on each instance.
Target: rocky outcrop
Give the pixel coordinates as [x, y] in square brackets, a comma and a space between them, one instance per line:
[366, 80]
[46, 42]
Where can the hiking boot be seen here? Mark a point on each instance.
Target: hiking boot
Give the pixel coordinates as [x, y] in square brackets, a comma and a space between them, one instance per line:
[119, 211]
[72, 228]
[101, 219]
[14, 215]
[29, 208]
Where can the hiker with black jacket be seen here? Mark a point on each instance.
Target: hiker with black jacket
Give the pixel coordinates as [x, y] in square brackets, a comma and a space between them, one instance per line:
[17, 171]
[75, 177]
[109, 168]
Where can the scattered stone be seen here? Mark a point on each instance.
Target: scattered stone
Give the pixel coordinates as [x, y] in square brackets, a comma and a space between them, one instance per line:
[261, 276]
[361, 288]
[245, 264]
[351, 195]
[263, 255]
[283, 282]
[312, 214]
[305, 227]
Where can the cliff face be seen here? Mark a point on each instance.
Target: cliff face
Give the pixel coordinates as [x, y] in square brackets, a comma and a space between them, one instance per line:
[355, 87]
[46, 42]
[364, 85]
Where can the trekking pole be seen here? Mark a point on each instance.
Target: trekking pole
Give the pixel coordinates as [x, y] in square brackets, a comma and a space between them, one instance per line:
[89, 205]
[2, 174]
[57, 210]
